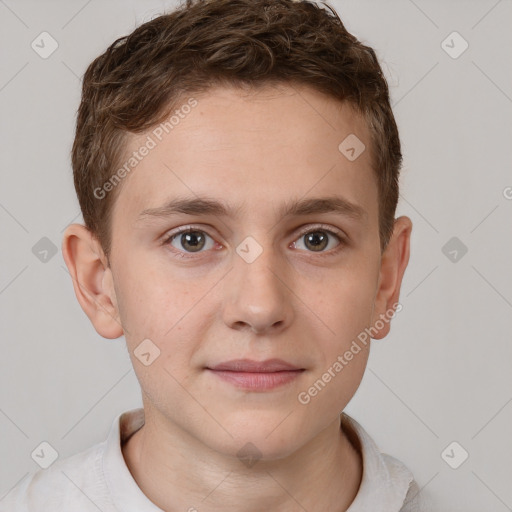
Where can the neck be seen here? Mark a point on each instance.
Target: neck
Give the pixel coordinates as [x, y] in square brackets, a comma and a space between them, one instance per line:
[179, 474]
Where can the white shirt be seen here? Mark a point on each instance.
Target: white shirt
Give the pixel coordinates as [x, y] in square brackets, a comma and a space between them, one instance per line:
[98, 479]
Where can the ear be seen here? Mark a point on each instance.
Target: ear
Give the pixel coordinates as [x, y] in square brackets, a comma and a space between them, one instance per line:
[393, 264]
[92, 280]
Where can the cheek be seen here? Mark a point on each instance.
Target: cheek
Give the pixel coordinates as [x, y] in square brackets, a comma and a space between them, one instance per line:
[168, 319]
[150, 304]
[166, 310]
[346, 301]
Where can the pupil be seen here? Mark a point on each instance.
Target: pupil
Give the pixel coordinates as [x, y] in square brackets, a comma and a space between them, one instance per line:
[317, 239]
[193, 240]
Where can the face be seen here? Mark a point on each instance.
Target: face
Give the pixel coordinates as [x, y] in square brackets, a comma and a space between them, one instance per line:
[262, 279]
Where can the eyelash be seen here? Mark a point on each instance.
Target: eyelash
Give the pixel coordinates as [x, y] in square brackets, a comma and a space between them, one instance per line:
[183, 254]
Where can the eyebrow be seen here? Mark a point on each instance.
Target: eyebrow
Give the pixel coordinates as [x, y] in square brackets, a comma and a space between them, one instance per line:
[208, 206]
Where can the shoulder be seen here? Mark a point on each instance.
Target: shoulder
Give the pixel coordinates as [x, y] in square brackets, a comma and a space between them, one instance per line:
[72, 483]
[387, 485]
[413, 501]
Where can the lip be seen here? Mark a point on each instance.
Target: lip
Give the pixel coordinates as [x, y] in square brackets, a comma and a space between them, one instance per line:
[251, 366]
[256, 375]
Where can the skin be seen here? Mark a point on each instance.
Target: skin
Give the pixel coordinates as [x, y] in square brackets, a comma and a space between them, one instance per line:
[257, 150]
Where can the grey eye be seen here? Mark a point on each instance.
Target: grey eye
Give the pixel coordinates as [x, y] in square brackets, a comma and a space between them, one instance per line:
[317, 240]
[191, 241]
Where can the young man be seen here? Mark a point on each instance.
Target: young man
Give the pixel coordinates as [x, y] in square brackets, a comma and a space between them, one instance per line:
[236, 162]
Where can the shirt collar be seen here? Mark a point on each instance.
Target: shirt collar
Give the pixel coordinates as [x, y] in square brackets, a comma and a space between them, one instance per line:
[125, 492]
[384, 484]
[385, 480]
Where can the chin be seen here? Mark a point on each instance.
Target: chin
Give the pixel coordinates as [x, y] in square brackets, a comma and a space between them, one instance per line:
[261, 435]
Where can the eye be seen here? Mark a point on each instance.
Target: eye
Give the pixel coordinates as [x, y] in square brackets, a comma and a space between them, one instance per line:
[190, 240]
[317, 240]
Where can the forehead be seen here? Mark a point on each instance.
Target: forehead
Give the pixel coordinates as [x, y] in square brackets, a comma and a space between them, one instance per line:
[253, 149]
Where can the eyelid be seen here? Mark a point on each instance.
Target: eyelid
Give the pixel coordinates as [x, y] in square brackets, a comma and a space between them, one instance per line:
[303, 231]
[342, 238]
[184, 229]
[170, 235]
[330, 229]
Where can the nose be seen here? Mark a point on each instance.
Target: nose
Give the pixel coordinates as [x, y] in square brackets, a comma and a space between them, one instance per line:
[257, 295]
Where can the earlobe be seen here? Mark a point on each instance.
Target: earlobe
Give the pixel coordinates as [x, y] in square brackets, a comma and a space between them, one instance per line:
[393, 264]
[92, 280]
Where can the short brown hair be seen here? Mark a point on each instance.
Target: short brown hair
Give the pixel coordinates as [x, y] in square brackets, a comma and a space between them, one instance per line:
[140, 78]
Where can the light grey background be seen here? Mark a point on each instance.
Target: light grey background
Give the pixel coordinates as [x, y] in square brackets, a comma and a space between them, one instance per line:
[442, 375]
